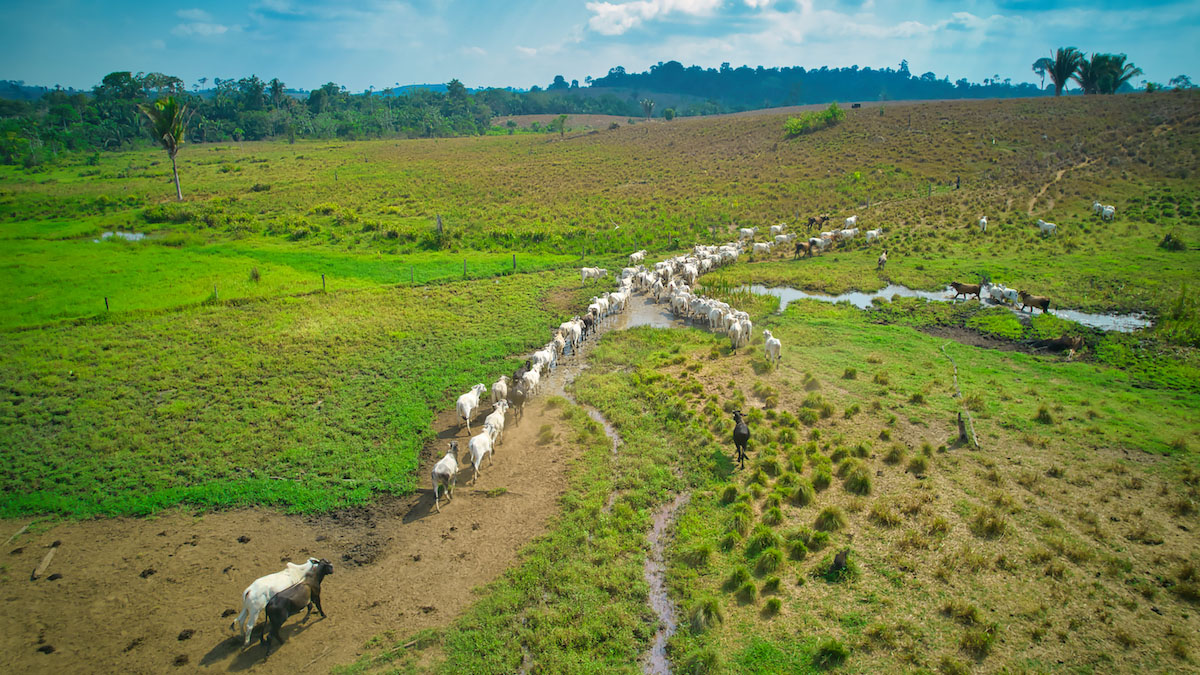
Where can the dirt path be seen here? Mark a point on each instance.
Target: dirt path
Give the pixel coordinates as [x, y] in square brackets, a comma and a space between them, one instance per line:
[1057, 177]
[131, 588]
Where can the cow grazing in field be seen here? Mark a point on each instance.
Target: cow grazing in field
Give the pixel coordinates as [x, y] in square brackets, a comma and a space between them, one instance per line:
[965, 290]
[741, 438]
[882, 262]
[1046, 228]
[1032, 301]
[802, 247]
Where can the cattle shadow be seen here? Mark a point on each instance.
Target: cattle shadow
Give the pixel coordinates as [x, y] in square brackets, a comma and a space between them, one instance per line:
[244, 659]
[423, 507]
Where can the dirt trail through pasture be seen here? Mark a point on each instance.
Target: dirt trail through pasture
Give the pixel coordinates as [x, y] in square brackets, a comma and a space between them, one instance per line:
[131, 589]
[1057, 177]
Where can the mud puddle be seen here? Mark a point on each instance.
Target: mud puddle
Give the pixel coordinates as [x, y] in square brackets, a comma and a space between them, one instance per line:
[655, 661]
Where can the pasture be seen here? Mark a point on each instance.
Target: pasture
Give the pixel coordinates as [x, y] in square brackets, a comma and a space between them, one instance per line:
[1068, 536]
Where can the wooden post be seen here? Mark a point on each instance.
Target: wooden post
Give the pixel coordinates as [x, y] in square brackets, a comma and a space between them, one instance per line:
[962, 429]
[464, 268]
[439, 221]
[322, 283]
[215, 296]
[412, 277]
[514, 262]
[106, 304]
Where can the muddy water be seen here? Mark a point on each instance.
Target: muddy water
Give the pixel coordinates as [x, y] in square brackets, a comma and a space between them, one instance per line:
[640, 311]
[655, 661]
[1124, 323]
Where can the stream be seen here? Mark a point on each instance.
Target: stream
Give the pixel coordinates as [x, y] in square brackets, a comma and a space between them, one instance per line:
[1123, 323]
[639, 311]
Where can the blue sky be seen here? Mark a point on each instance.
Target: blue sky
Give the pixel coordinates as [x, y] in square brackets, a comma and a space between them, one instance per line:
[362, 43]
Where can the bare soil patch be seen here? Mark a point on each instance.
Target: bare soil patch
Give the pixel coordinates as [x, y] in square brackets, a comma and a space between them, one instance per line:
[132, 589]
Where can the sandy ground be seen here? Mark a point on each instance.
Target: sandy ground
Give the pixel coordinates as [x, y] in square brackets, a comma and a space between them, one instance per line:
[152, 595]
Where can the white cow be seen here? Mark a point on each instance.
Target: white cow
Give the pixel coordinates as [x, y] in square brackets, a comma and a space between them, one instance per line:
[762, 249]
[481, 446]
[1046, 228]
[747, 233]
[1108, 213]
[500, 389]
[983, 224]
[773, 347]
[851, 222]
[874, 235]
[778, 229]
[469, 402]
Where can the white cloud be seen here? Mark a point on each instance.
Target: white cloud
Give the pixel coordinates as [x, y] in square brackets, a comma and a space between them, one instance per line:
[616, 18]
[194, 15]
[474, 51]
[157, 44]
[758, 4]
[526, 51]
[200, 28]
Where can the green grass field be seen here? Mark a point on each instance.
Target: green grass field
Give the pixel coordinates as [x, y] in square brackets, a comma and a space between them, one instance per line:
[221, 375]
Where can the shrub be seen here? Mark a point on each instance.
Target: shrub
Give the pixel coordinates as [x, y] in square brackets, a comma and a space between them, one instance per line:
[254, 275]
[814, 120]
[771, 585]
[822, 477]
[1172, 242]
[895, 454]
[831, 519]
[730, 541]
[706, 614]
[830, 654]
[850, 374]
[740, 521]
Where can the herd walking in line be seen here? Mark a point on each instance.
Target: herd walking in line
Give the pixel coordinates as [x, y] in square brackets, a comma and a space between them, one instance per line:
[283, 594]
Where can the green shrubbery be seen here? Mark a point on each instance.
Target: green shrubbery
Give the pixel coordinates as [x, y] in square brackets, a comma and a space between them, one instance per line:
[814, 121]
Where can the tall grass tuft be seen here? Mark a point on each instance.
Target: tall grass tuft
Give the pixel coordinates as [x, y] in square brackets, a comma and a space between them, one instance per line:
[830, 519]
[705, 614]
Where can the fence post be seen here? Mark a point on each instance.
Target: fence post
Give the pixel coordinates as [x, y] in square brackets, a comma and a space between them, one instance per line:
[514, 262]
[412, 277]
[106, 304]
[464, 268]
[215, 296]
[322, 283]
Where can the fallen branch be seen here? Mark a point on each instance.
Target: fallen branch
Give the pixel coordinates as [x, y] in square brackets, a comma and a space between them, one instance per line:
[18, 533]
[41, 568]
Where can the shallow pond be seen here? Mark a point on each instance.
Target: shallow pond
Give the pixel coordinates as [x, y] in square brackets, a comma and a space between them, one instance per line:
[1124, 323]
[127, 236]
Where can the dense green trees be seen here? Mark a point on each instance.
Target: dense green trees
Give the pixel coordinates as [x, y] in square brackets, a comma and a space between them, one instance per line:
[1101, 74]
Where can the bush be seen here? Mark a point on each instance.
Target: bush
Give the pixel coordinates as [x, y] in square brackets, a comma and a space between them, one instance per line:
[830, 519]
[1043, 416]
[771, 585]
[822, 477]
[812, 121]
[773, 606]
[850, 374]
[919, 465]
[739, 576]
[740, 521]
[830, 654]
[772, 516]
[797, 550]
[729, 494]
[1172, 242]
[895, 454]
[698, 556]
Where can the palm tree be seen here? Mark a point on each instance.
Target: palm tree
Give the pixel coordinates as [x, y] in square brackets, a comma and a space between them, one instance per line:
[1117, 73]
[1041, 67]
[1089, 72]
[1063, 66]
[168, 119]
[647, 107]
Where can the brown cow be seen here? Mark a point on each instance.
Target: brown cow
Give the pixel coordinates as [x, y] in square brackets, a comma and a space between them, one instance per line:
[1061, 343]
[1031, 301]
[965, 290]
[802, 247]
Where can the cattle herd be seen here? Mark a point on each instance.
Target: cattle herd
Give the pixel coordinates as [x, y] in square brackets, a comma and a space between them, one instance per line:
[297, 587]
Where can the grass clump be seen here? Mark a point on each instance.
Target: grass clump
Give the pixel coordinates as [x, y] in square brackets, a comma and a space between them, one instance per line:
[830, 653]
[978, 641]
[763, 538]
[797, 550]
[919, 465]
[729, 494]
[747, 593]
[773, 606]
[962, 612]
[884, 515]
[770, 561]
[895, 454]
[1043, 416]
[850, 374]
[772, 516]
[699, 555]
[830, 519]
[858, 479]
[989, 523]
[822, 478]
[705, 614]
[804, 492]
